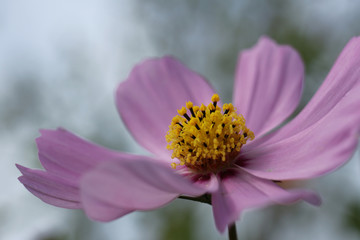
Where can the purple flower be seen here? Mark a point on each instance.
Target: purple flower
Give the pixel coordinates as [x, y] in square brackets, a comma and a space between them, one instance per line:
[206, 149]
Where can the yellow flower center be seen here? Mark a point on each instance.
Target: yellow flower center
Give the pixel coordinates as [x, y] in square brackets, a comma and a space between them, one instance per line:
[207, 139]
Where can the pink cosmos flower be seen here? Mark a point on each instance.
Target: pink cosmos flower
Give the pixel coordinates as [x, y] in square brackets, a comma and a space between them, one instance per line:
[238, 174]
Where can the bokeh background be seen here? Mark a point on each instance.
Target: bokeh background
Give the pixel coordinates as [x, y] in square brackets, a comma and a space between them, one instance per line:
[60, 62]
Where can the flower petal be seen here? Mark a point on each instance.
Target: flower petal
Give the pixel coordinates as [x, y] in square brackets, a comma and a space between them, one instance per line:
[137, 184]
[241, 190]
[64, 154]
[209, 182]
[49, 188]
[323, 136]
[101, 211]
[343, 78]
[268, 84]
[150, 97]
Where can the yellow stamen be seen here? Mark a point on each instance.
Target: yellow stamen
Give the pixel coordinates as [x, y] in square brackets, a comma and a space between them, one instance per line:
[215, 98]
[189, 105]
[209, 140]
[182, 111]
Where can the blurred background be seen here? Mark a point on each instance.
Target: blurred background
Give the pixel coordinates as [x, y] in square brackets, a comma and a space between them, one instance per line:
[60, 62]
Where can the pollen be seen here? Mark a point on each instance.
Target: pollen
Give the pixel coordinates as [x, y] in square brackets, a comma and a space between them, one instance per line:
[207, 138]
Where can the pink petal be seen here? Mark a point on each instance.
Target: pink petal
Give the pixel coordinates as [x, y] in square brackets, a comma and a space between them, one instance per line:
[240, 191]
[64, 154]
[340, 82]
[315, 151]
[323, 136]
[208, 182]
[49, 188]
[101, 211]
[150, 97]
[268, 84]
[137, 184]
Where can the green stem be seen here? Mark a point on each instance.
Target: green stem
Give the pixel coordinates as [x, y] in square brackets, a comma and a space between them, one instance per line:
[232, 232]
[206, 198]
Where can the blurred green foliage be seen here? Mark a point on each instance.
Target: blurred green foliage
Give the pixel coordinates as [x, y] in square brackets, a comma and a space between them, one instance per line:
[59, 237]
[352, 217]
[177, 222]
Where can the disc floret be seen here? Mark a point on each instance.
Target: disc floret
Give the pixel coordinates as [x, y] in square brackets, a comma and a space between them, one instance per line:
[207, 138]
